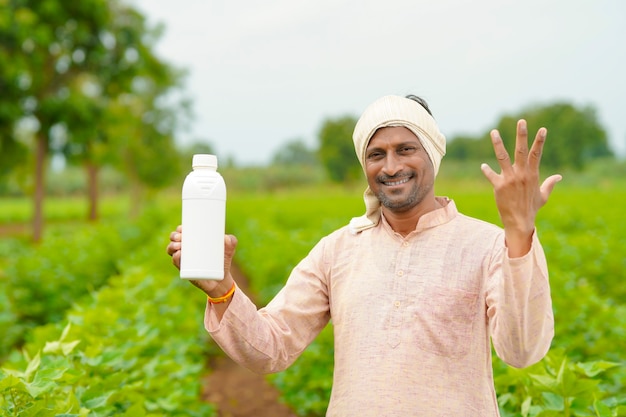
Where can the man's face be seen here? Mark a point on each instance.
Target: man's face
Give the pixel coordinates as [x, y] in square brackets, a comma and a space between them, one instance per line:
[398, 169]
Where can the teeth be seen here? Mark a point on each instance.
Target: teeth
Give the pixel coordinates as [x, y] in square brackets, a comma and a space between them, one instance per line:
[397, 182]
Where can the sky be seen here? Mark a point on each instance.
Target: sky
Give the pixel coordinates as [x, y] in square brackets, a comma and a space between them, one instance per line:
[261, 74]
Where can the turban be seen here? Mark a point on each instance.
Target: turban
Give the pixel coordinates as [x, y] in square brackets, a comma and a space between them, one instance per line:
[394, 111]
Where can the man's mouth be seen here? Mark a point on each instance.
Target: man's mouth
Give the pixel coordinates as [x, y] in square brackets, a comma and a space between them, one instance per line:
[396, 182]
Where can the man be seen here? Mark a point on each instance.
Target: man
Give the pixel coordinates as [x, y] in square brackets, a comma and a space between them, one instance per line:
[415, 289]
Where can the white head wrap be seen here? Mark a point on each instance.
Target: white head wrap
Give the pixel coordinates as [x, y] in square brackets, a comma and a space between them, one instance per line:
[386, 112]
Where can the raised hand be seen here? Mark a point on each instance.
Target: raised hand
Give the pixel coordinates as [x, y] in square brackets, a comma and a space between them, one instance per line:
[517, 191]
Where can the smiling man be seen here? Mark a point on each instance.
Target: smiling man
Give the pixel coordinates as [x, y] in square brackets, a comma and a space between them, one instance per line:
[417, 291]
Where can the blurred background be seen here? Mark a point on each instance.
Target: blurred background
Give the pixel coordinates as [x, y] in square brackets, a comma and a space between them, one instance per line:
[108, 94]
[261, 74]
[104, 102]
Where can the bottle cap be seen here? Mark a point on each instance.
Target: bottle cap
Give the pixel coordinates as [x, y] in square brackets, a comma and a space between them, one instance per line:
[204, 160]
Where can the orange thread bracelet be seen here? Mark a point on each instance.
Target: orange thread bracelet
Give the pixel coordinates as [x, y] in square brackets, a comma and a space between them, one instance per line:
[223, 298]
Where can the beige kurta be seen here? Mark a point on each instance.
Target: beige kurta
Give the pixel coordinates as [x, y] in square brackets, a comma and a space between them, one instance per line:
[412, 316]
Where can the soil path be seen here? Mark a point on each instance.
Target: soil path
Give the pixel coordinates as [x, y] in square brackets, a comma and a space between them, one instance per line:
[238, 392]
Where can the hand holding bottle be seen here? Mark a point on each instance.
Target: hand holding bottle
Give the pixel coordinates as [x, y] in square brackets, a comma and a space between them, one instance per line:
[212, 288]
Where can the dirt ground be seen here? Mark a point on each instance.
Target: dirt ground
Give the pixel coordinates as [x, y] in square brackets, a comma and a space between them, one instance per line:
[238, 392]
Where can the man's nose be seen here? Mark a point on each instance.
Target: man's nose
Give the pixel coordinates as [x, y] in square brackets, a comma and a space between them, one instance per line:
[393, 164]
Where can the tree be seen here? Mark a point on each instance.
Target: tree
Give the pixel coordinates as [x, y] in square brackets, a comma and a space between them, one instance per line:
[575, 136]
[47, 43]
[198, 146]
[295, 152]
[71, 66]
[469, 148]
[12, 151]
[116, 113]
[336, 149]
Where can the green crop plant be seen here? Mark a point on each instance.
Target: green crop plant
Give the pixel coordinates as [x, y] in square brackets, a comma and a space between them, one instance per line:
[136, 347]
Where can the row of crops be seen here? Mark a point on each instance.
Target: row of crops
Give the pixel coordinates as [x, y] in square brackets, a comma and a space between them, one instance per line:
[94, 321]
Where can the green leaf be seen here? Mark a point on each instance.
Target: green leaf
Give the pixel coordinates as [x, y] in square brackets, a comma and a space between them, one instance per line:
[12, 382]
[68, 347]
[592, 369]
[14, 372]
[65, 332]
[98, 402]
[553, 401]
[60, 347]
[601, 409]
[36, 410]
[52, 347]
[547, 382]
[583, 386]
[33, 365]
[38, 387]
[71, 376]
[136, 410]
[526, 406]
[52, 374]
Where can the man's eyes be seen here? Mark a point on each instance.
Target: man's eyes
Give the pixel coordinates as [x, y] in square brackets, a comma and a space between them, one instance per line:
[403, 150]
[375, 155]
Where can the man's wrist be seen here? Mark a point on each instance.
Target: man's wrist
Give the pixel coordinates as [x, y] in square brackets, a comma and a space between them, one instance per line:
[518, 244]
[224, 289]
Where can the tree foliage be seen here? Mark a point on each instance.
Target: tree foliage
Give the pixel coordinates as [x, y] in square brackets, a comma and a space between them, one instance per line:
[336, 149]
[575, 136]
[295, 152]
[85, 74]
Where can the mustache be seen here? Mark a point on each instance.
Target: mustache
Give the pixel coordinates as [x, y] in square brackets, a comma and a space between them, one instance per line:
[396, 177]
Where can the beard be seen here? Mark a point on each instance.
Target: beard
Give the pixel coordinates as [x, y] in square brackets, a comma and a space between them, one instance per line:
[399, 202]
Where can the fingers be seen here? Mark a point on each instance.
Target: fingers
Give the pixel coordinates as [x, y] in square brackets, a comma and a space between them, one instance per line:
[501, 154]
[521, 143]
[534, 157]
[523, 156]
[176, 259]
[175, 238]
[230, 243]
[173, 248]
[489, 173]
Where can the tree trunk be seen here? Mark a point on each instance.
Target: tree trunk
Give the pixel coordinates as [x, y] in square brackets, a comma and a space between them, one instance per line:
[136, 198]
[41, 150]
[92, 190]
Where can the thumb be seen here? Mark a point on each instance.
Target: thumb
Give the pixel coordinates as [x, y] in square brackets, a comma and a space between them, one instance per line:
[548, 185]
[230, 243]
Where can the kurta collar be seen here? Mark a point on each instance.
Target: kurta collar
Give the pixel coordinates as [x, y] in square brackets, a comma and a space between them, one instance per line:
[429, 220]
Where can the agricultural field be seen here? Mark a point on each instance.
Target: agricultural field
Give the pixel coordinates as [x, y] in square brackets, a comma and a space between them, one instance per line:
[95, 322]
[584, 240]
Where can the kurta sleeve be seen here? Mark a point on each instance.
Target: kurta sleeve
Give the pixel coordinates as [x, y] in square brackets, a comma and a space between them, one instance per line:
[519, 307]
[270, 339]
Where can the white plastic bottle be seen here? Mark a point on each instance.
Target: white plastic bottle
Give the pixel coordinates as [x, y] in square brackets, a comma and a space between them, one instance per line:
[203, 221]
